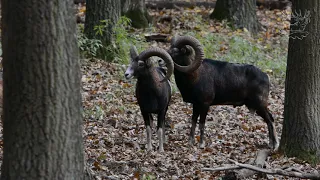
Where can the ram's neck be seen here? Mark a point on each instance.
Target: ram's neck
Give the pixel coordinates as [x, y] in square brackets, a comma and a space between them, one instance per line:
[187, 78]
[150, 80]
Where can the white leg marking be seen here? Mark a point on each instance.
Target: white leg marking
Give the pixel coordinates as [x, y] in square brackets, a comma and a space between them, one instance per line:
[276, 143]
[149, 134]
[160, 137]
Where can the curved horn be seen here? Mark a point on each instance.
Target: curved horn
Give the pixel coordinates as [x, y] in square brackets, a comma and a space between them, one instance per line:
[197, 47]
[155, 51]
[133, 52]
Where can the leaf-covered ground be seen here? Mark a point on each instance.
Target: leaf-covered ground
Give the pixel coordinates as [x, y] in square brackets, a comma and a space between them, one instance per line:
[114, 132]
[115, 135]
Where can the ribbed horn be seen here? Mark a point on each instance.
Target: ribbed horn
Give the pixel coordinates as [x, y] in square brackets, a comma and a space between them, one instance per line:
[159, 52]
[181, 41]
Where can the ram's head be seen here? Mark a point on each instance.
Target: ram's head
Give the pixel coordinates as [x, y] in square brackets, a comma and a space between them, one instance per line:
[186, 52]
[140, 63]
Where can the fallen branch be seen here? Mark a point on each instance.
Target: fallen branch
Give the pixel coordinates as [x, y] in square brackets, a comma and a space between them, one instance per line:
[261, 157]
[278, 171]
[221, 168]
[247, 170]
[242, 173]
[156, 37]
[259, 162]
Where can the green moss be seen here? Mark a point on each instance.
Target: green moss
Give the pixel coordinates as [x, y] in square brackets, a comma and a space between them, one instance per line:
[139, 19]
[309, 156]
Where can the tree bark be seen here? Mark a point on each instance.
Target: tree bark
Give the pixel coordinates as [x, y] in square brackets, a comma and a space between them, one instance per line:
[97, 10]
[241, 13]
[301, 134]
[79, 1]
[155, 4]
[136, 10]
[269, 4]
[42, 101]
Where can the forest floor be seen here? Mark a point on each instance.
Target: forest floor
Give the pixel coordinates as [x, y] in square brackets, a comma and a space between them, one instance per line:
[114, 131]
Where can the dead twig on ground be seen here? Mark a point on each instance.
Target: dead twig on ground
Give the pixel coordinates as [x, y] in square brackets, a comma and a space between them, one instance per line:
[247, 170]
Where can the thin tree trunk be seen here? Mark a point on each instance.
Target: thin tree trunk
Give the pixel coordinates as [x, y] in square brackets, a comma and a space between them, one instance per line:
[42, 101]
[301, 127]
[241, 13]
[97, 10]
[136, 11]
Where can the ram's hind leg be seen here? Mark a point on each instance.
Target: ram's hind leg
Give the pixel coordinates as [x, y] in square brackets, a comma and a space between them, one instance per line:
[151, 120]
[273, 138]
[203, 116]
[195, 116]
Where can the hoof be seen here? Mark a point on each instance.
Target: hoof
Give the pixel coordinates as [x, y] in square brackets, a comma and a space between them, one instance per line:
[160, 150]
[202, 145]
[149, 148]
[191, 142]
[274, 145]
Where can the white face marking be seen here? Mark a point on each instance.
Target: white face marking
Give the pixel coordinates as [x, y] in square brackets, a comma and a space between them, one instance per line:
[129, 72]
[167, 80]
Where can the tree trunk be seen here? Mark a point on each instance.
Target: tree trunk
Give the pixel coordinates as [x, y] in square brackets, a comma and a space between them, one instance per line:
[97, 10]
[156, 4]
[241, 13]
[79, 1]
[301, 127]
[42, 101]
[136, 11]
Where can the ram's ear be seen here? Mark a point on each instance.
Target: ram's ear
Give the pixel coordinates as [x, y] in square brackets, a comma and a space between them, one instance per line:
[183, 50]
[133, 52]
[189, 50]
[161, 62]
[186, 50]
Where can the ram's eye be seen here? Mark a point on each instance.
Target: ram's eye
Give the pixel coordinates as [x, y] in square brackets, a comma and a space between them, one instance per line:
[184, 50]
[175, 50]
[140, 63]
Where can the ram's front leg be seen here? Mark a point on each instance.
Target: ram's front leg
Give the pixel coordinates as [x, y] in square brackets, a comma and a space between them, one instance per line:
[195, 116]
[146, 118]
[161, 132]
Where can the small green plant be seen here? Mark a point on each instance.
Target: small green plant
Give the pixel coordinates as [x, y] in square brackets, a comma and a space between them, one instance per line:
[118, 50]
[148, 177]
[95, 113]
[88, 47]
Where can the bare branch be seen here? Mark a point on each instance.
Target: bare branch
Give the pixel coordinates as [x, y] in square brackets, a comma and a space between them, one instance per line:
[221, 168]
[247, 170]
[278, 171]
